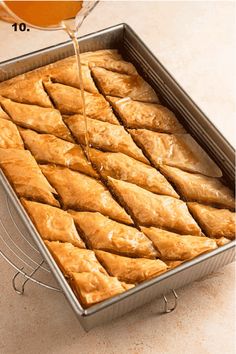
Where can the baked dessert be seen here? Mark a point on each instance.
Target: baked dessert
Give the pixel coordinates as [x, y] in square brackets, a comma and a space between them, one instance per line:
[104, 136]
[9, 135]
[81, 192]
[200, 188]
[121, 166]
[215, 223]
[101, 233]
[68, 101]
[143, 115]
[131, 270]
[53, 224]
[151, 209]
[177, 150]
[26, 177]
[149, 199]
[42, 120]
[47, 148]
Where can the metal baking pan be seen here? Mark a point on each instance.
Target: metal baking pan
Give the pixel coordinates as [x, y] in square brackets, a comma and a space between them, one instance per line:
[197, 124]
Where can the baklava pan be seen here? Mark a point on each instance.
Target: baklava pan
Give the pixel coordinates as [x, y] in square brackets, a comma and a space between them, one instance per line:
[123, 38]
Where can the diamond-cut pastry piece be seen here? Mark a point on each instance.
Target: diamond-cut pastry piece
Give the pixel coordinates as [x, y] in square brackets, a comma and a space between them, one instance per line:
[25, 176]
[26, 90]
[118, 66]
[216, 223]
[65, 71]
[177, 150]
[151, 209]
[68, 100]
[53, 224]
[80, 192]
[120, 166]
[47, 148]
[104, 234]
[174, 247]
[122, 85]
[200, 188]
[131, 270]
[103, 54]
[104, 136]
[3, 114]
[92, 288]
[43, 120]
[73, 259]
[141, 115]
[9, 135]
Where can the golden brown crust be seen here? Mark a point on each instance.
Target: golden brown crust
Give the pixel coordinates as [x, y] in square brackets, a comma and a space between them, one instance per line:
[43, 120]
[141, 115]
[130, 270]
[122, 85]
[200, 188]
[73, 259]
[80, 192]
[174, 247]
[68, 100]
[25, 176]
[26, 90]
[48, 148]
[53, 224]
[177, 150]
[65, 71]
[108, 235]
[120, 166]
[117, 66]
[216, 223]
[92, 288]
[9, 135]
[3, 114]
[150, 209]
[104, 136]
[103, 54]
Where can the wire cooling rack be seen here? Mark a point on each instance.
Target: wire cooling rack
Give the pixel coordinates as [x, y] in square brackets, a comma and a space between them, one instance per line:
[20, 251]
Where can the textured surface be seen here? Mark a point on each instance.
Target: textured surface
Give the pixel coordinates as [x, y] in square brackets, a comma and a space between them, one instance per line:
[200, 317]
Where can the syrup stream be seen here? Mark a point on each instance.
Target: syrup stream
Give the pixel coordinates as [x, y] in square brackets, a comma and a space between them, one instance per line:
[72, 35]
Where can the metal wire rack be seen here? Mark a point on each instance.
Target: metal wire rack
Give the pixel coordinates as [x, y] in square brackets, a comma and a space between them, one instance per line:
[19, 250]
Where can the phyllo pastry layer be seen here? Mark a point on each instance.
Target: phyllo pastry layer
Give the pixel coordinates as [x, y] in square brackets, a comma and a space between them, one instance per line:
[9, 135]
[104, 136]
[142, 115]
[53, 224]
[123, 85]
[104, 234]
[28, 90]
[215, 223]
[65, 72]
[3, 114]
[174, 247]
[47, 148]
[43, 120]
[120, 166]
[200, 188]
[131, 270]
[69, 101]
[151, 209]
[25, 176]
[80, 192]
[73, 259]
[177, 150]
[92, 288]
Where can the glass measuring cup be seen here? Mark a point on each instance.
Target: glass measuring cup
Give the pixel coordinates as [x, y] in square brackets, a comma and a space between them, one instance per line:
[47, 15]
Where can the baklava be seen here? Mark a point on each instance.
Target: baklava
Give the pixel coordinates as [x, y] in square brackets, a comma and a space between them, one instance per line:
[149, 198]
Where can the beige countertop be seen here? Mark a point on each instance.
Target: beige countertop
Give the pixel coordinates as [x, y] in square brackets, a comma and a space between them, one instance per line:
[196, 42]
